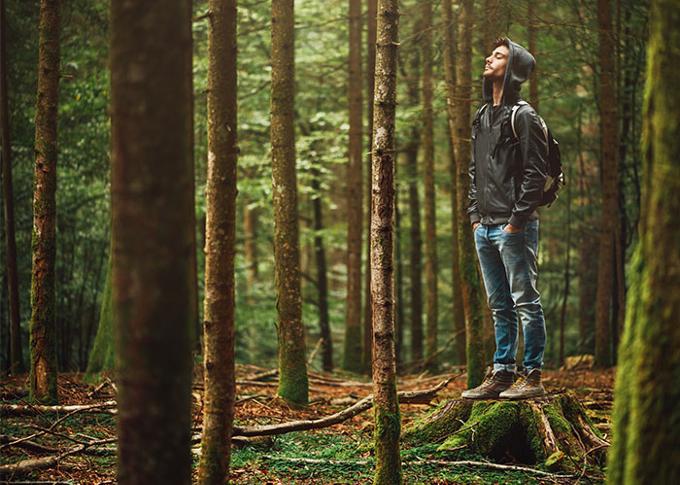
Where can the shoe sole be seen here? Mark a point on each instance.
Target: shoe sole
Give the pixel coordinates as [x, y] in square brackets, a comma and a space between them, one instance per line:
[519, 398]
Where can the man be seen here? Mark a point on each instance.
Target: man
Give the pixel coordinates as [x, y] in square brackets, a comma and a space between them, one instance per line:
[508, 170]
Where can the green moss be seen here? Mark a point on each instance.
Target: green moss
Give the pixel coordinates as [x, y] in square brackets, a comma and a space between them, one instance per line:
[388, 460]
[294, 388]
[438, 424]
[555, 460]
[489, 426]
[102, 356]
[530, 419]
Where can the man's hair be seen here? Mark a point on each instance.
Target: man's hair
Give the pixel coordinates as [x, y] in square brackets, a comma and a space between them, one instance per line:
[501, 41]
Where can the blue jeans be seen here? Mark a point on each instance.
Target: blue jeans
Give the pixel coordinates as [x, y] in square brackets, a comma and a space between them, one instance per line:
[509, 268]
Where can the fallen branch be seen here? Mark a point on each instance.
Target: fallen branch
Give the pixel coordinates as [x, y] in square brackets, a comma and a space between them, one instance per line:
[28, 445]
[33, 464]
[31, 409]
[405, 397]
[462, 463]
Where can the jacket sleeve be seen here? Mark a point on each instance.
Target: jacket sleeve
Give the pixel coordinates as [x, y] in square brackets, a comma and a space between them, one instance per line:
[533, 148]
[473, 205]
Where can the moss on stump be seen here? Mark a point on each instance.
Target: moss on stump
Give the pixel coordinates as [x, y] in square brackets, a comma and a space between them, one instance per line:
[553, 431]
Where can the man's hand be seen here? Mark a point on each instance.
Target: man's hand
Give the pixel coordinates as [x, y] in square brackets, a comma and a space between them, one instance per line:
[474, 226]
[509, 228]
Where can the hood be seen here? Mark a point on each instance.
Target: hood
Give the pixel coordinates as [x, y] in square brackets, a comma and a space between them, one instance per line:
[520, 65]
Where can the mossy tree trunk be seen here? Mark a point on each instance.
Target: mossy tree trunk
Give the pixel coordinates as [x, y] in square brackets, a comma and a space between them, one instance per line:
[153, 237]
[458, 314]
[646, 412]
[386, 406]
[102, 355]
[609, 223]
[353, 341]
[16, 360]
[431, 310]
[554, 431]
[43, 332]
[470, 283]
[219, 303]
[293, 383]
[371, 6]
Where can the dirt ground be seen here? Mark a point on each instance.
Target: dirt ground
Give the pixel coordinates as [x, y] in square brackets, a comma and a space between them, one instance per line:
[274, 460]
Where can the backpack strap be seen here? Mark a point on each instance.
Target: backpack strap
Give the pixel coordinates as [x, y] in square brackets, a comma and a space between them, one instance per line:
[513, 115]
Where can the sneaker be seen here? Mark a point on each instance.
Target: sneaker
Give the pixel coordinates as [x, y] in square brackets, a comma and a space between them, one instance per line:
[494, 383]
[526, 387]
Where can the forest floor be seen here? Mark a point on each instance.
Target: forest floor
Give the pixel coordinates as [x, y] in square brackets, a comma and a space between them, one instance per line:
[336, 454]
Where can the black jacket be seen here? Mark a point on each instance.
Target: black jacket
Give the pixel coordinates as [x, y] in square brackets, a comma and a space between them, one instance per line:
[507, 173]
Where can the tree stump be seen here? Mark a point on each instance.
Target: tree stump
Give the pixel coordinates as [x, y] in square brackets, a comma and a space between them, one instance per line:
[553, 431]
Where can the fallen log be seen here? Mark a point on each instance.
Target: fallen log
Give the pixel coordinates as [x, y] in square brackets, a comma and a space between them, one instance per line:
[445, 463]
[106, 407]
[405, 397]
[32, 464]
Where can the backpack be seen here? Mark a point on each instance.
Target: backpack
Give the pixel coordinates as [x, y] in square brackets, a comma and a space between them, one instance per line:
[555, 179]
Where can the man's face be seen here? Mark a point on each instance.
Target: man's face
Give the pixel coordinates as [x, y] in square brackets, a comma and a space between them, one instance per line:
[495, 64]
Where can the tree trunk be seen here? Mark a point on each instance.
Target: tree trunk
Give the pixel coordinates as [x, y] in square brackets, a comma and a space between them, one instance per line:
[531, 27]
[450, 75]
[646, 414]
[250, 222]
[219, 303]
[416, 257]
[43, 344]
[153, 306]
[102, 355]
[470, 284]
[16, 352]
[370, 85]
[553, 431]
[293, 384]
[321, 273]
[491, 24]
[428, 177]
[354, 190]
[609, 225]
[386, 406]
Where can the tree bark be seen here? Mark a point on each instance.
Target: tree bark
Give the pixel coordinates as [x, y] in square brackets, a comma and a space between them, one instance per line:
[219, 303]
[293, 385]
[102, 355]
[492, 24]
[416, 254]
[372, 5]
[387, 418]
[531, 27]
[470, 284]
[431, 310]
[354, 190]
[43, 336]
[450, 77]
[609, 225]
[153, 242]
[646, 415]
[16, 351]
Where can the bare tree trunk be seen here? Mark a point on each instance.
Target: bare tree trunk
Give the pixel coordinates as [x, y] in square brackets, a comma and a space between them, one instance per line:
[646, 414]
[533, 78]
[219, 304]
[372, 5]
[250, 223]
[321, 274]
[387, 418]
[567, 276]
[428, 177]
[353, 341]
[609, 225]
[491, 24]
[470, 284]
[43, 345]
[16, 352]
[293, 384]
[153, 305]
[411, 171]
[450, 75]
